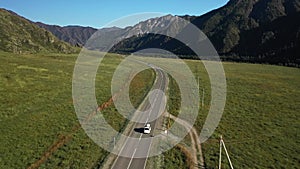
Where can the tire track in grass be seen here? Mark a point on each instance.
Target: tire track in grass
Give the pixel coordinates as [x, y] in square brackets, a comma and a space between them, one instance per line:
[192, 156]
[64, 139]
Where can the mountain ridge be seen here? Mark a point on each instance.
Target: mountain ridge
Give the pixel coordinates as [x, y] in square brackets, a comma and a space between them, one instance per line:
[75, 35]
[231, 27]
[19, 35]
[261, 31]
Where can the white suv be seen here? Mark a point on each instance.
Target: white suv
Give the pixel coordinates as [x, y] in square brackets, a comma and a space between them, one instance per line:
[147, 129]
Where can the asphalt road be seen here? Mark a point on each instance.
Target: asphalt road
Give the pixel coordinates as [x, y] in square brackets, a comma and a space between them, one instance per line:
[134, 149]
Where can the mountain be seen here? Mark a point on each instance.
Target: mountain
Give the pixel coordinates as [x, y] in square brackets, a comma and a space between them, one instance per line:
[265, 31]
[75, 35]
[106, 36]
[20, 35]
[262, 31]
[258, 30]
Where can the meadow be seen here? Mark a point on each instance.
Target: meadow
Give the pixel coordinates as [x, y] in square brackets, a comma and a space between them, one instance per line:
[36, 110]
[260, 122]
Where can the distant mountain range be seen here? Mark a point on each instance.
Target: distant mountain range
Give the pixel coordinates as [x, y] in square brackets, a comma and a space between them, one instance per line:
[19, 35]
[262, 31]
[75, 35]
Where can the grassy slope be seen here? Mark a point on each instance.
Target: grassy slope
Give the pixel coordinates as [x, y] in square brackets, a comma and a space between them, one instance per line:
[36, 110]
[18, 35]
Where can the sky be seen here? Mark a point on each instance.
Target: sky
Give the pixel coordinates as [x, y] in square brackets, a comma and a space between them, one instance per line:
[99, 13]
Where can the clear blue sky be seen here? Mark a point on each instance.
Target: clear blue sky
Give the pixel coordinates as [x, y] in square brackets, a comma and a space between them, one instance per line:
[97, 13]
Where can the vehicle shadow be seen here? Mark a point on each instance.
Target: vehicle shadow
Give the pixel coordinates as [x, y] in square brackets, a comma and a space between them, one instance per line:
[139, 130]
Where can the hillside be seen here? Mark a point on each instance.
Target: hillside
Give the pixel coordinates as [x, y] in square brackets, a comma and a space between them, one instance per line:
[19, 35]
[263, 31]
[75, 35]
[260, 31]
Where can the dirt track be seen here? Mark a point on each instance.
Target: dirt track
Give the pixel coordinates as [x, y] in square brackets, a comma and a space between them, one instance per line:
[66, 138]
[194, 141]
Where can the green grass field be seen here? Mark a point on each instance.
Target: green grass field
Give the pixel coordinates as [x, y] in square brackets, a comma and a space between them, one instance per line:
[36, 110]
[260, 122]
[259, 125]
[261, 118]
